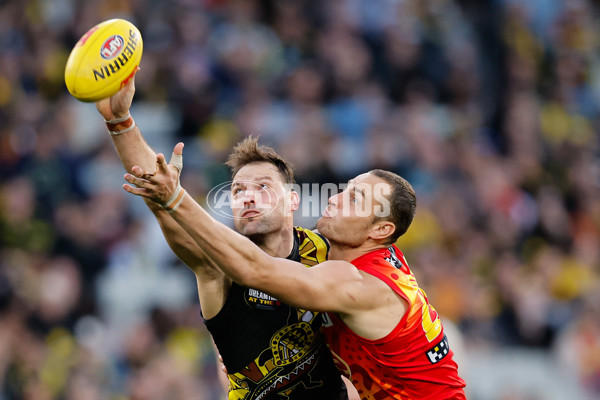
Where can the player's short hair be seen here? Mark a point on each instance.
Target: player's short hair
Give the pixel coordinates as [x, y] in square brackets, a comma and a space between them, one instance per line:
[248, 151]
[403, 202]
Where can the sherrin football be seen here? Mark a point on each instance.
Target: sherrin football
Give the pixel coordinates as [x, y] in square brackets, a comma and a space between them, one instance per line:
[103, 60]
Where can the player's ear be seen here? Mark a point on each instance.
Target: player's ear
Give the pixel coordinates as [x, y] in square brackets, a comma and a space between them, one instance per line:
[381, 230]
[294, 200]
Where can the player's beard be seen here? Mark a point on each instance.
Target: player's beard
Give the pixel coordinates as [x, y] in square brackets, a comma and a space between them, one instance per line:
[259, 226]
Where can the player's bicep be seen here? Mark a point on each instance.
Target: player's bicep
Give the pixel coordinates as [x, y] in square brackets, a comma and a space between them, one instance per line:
[330, 286]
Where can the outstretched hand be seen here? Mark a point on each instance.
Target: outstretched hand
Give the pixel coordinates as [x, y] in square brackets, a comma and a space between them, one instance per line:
[118, 105]
[161, 185]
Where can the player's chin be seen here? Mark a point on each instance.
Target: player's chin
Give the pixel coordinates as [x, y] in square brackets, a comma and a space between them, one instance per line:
[249, 227]
[323, 224]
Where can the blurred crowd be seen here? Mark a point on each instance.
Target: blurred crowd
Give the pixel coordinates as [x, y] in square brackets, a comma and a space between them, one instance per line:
[489, 108]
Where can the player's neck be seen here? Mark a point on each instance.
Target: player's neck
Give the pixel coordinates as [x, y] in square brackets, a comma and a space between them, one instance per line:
[340, 251]
[276, 244]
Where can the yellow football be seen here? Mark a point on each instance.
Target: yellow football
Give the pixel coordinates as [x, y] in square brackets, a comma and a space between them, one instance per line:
[103, 60]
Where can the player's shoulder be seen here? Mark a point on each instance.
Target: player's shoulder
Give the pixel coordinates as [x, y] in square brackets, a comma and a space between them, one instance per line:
[389, 262]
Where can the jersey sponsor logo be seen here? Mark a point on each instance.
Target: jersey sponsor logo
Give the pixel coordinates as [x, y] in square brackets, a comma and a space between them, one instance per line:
[260, 300]
[439, 351]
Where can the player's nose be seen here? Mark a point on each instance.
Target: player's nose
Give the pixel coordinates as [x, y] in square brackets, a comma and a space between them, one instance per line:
[249, 197]
[335, 200]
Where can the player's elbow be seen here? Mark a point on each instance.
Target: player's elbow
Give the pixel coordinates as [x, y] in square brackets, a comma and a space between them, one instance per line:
[247, 278]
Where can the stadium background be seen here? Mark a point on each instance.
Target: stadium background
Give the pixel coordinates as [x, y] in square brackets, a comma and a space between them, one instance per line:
[489, 108]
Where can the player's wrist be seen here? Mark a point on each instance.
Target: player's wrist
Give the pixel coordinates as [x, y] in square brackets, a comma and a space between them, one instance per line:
[120, 125]
[173, 203]
[117, 118]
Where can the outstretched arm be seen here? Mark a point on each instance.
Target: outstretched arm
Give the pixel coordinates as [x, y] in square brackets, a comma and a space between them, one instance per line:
[331, 286]
[130, 144]
[133, 150]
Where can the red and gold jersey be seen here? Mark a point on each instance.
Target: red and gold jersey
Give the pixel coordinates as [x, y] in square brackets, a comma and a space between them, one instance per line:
[411, 362]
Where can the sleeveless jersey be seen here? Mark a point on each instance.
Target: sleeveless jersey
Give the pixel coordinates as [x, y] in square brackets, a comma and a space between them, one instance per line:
[411, 362]
[274, 351]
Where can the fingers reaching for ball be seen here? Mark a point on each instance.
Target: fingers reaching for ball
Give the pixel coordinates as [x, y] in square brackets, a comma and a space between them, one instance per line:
[140, 173]
[134, 180]
[158, 186]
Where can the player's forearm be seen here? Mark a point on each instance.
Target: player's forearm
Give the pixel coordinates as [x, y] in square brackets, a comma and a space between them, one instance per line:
[133, 150]
[180, 242]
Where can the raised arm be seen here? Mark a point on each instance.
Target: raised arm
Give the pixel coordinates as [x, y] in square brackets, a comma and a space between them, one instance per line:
[133, 150]
[330, 286]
